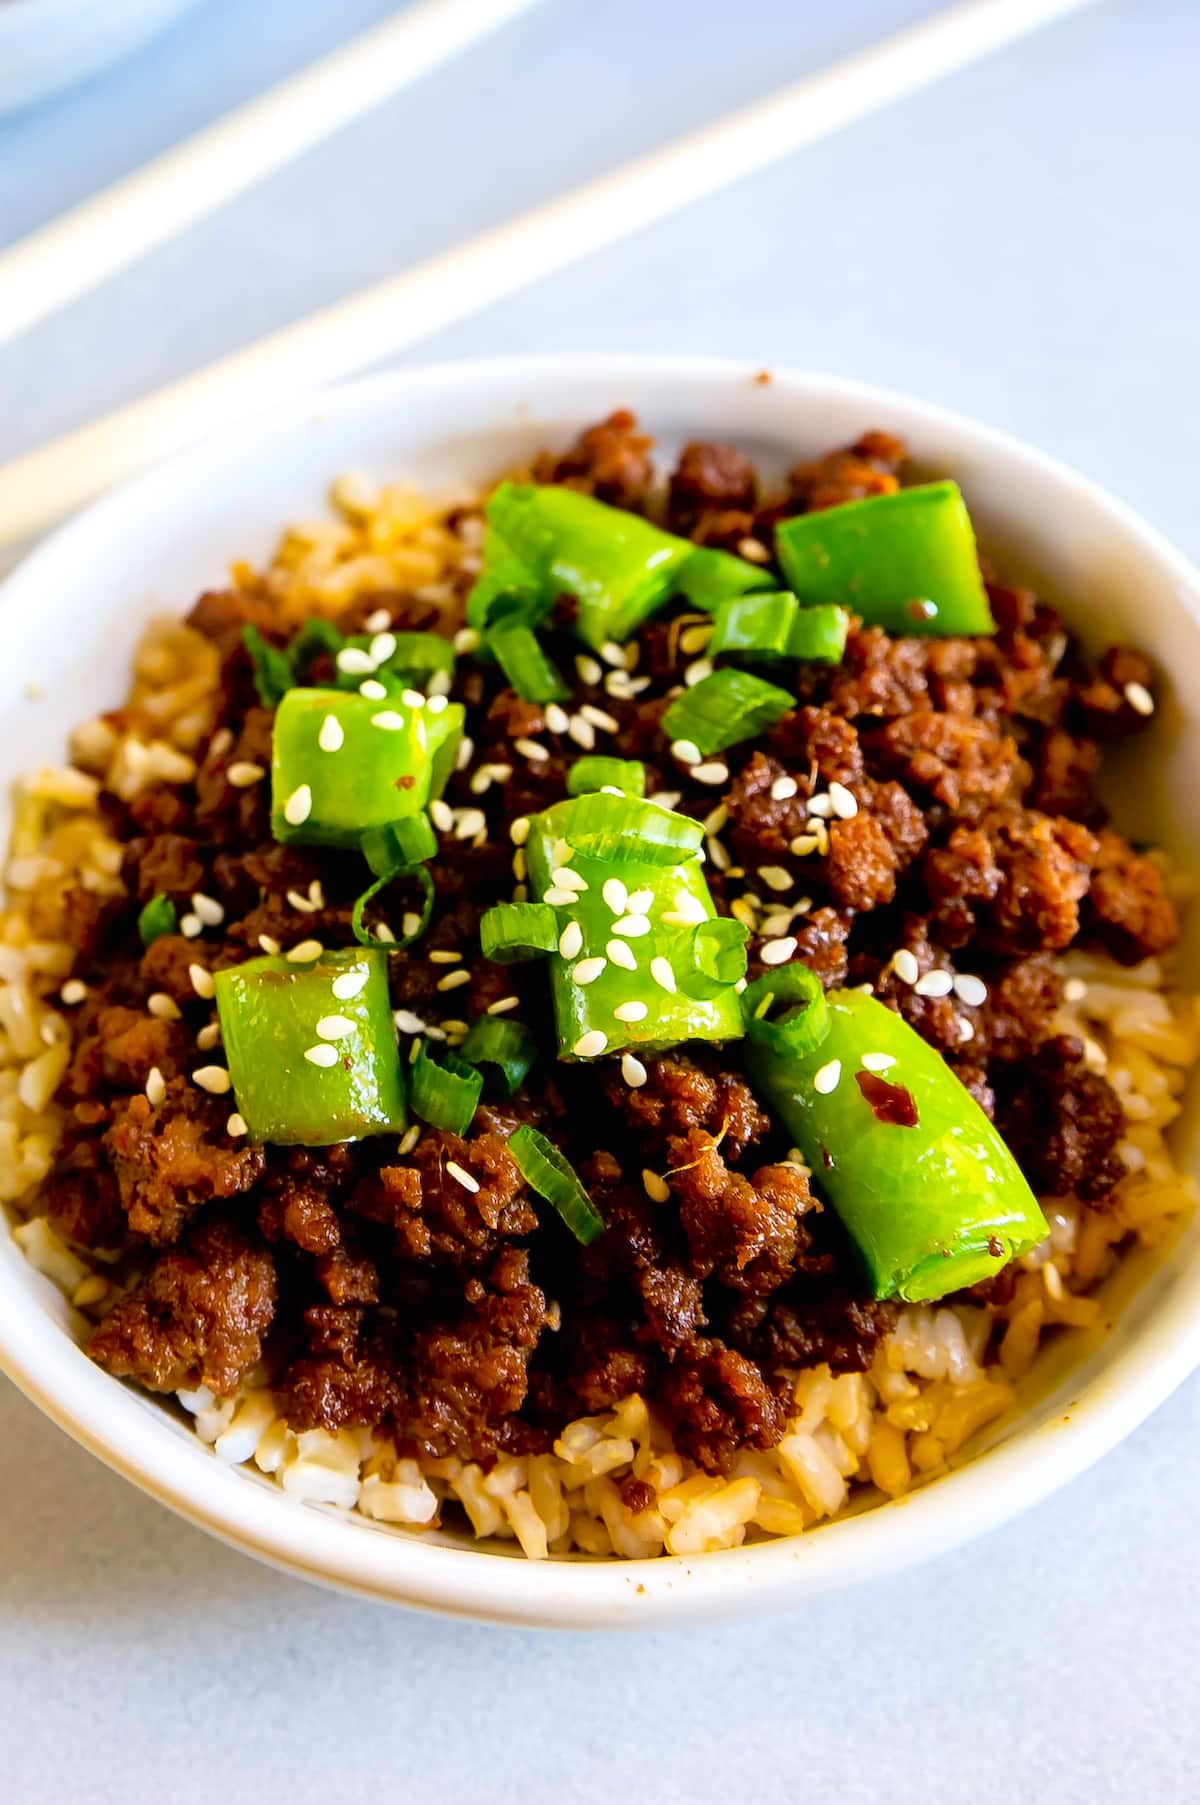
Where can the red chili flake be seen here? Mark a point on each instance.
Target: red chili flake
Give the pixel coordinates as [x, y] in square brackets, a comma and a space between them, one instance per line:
[826, 1157]
[891, 1103]
[995, 1246]
[404, 783]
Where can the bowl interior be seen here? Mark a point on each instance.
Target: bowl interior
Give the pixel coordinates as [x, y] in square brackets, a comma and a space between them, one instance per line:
[70, 617]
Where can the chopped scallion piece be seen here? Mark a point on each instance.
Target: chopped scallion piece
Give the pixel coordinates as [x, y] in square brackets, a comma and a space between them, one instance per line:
[524, 663]
[444, 1094]
[508, 1047]
[724, 708]
[553, 1177]
[391, 849]
[819, 634]
[596, 773]
[618, 829]
[716, 957]
[709, 577]
[799, 997]
[159, 917]
[762, 627]
[393, 942]
[507, 588]
[273, 674]
[315, 637]
[512, 932]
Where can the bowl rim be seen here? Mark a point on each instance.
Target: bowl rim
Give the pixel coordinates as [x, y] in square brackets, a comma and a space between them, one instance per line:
[132, 1436]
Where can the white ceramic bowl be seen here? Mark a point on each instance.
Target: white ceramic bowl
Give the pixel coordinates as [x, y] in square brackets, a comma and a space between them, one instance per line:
[69, 618]
[49, 45]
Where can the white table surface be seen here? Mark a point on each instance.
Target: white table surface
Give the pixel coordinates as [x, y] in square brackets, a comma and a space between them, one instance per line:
[1020, 243]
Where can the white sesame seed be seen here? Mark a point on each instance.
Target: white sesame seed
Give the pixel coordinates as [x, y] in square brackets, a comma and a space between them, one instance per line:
[753, 550]
[531, 750]
[372, 690]
[1139, 698]
[657, 1189]
[220, 742]
[160, 1005]
[666, 798]
[388, 720]
[845, 804]
[412, 698]
[349, 984]
[332, 736]
[354, 661]
[409, 1139]
[208, 909]
[466, 640]
[74, 991]
[566, 879]
[191, 926]
[622, 954]
[742, 909]
[588, 970]
[970, 990]
[633, 1071]
[631, 1012]
[561, 853]
[236, 1126]
[905, 966]
[775, 877]
[697, 671]
[464, 1178]
[269, 945]
[716, 819]
[304, 952]
[471, 821]
[589, 669]
[321, 1055]
[583, 734]
[242, 773]
[445, 956]
[598, 717]
[214, 1079]
[298, 806]
[591, 1044]
[966, 1028]
[557, 719]
[202, 980]
[334, 1027]
[778, 952]
[453, 979]
[820, 806]
[407, 1022]
[570, 941]
[803, 845]
[442, 815]
[663, 975]
[632, 926]
[784, 788]
[503, 1006]
[615, 895]
[878, 1062]
[614, 654]
[558, 898]
[934, 984]
[520, 865]
[156, 1087]
[827, 1078]
[465, 753]
[638, 902]
[712, 772]
[686, 752]
[208, 1036]
[381, 648]
[383, 932]
[410, 924]
[378, 621]
[1074, 990]
[694, 639]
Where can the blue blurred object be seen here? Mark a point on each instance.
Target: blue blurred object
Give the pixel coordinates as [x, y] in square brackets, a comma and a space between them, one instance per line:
[48, 45]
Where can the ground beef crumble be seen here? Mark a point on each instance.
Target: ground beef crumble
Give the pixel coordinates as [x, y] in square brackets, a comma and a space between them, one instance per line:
[370, 1285]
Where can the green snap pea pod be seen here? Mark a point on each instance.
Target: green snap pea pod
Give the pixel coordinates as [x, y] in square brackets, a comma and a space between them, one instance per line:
[905, 561]
[343, 764]
[923, 1183]
[312, 1048]
[627, 925]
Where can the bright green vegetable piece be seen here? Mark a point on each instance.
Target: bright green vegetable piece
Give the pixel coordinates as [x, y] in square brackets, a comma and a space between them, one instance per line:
[444, 1092]
[524, 663]
[725, 708]
[342, 764]
[548, 1171]
[507, 588]
[710, 577]
[596, 772]
[905, 561]
[763, 627]
[273, 673]
[623, 939]
[619, 567]
[508, 1047]
[312, 1048]
[923, 1183]
[511, 933]
[399, 660]
[159, 917]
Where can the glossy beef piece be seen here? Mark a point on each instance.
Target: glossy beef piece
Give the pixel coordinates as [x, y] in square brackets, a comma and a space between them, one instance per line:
[197, 1318]
[81, 1197]
[748, 1233]
[711, 495]
[718, 1402]
[610, 461]
[1128, 907]
[435, 1217]
[1100, 696]
[868, 467]
[1045, 869]
[964, 764]
[817, 1320]
[1063, 1122]
[345, 1374]
[171, 1159]
[681, 1095]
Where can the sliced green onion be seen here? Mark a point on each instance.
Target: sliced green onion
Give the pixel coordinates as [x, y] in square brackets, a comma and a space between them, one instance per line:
[393, 943]
[391, 849]
[159, 917]
[445, 1095]
[315, 637]
[273, 675]
[525, 664]
[715, 957]
[416, 657]
[776, 626]
[506, 588]
[595, 773]
[553, 1177]
[710, 576]
[724, 708]
[617, 829]
[804, 1019]
[507, 1046]
[512, 932]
